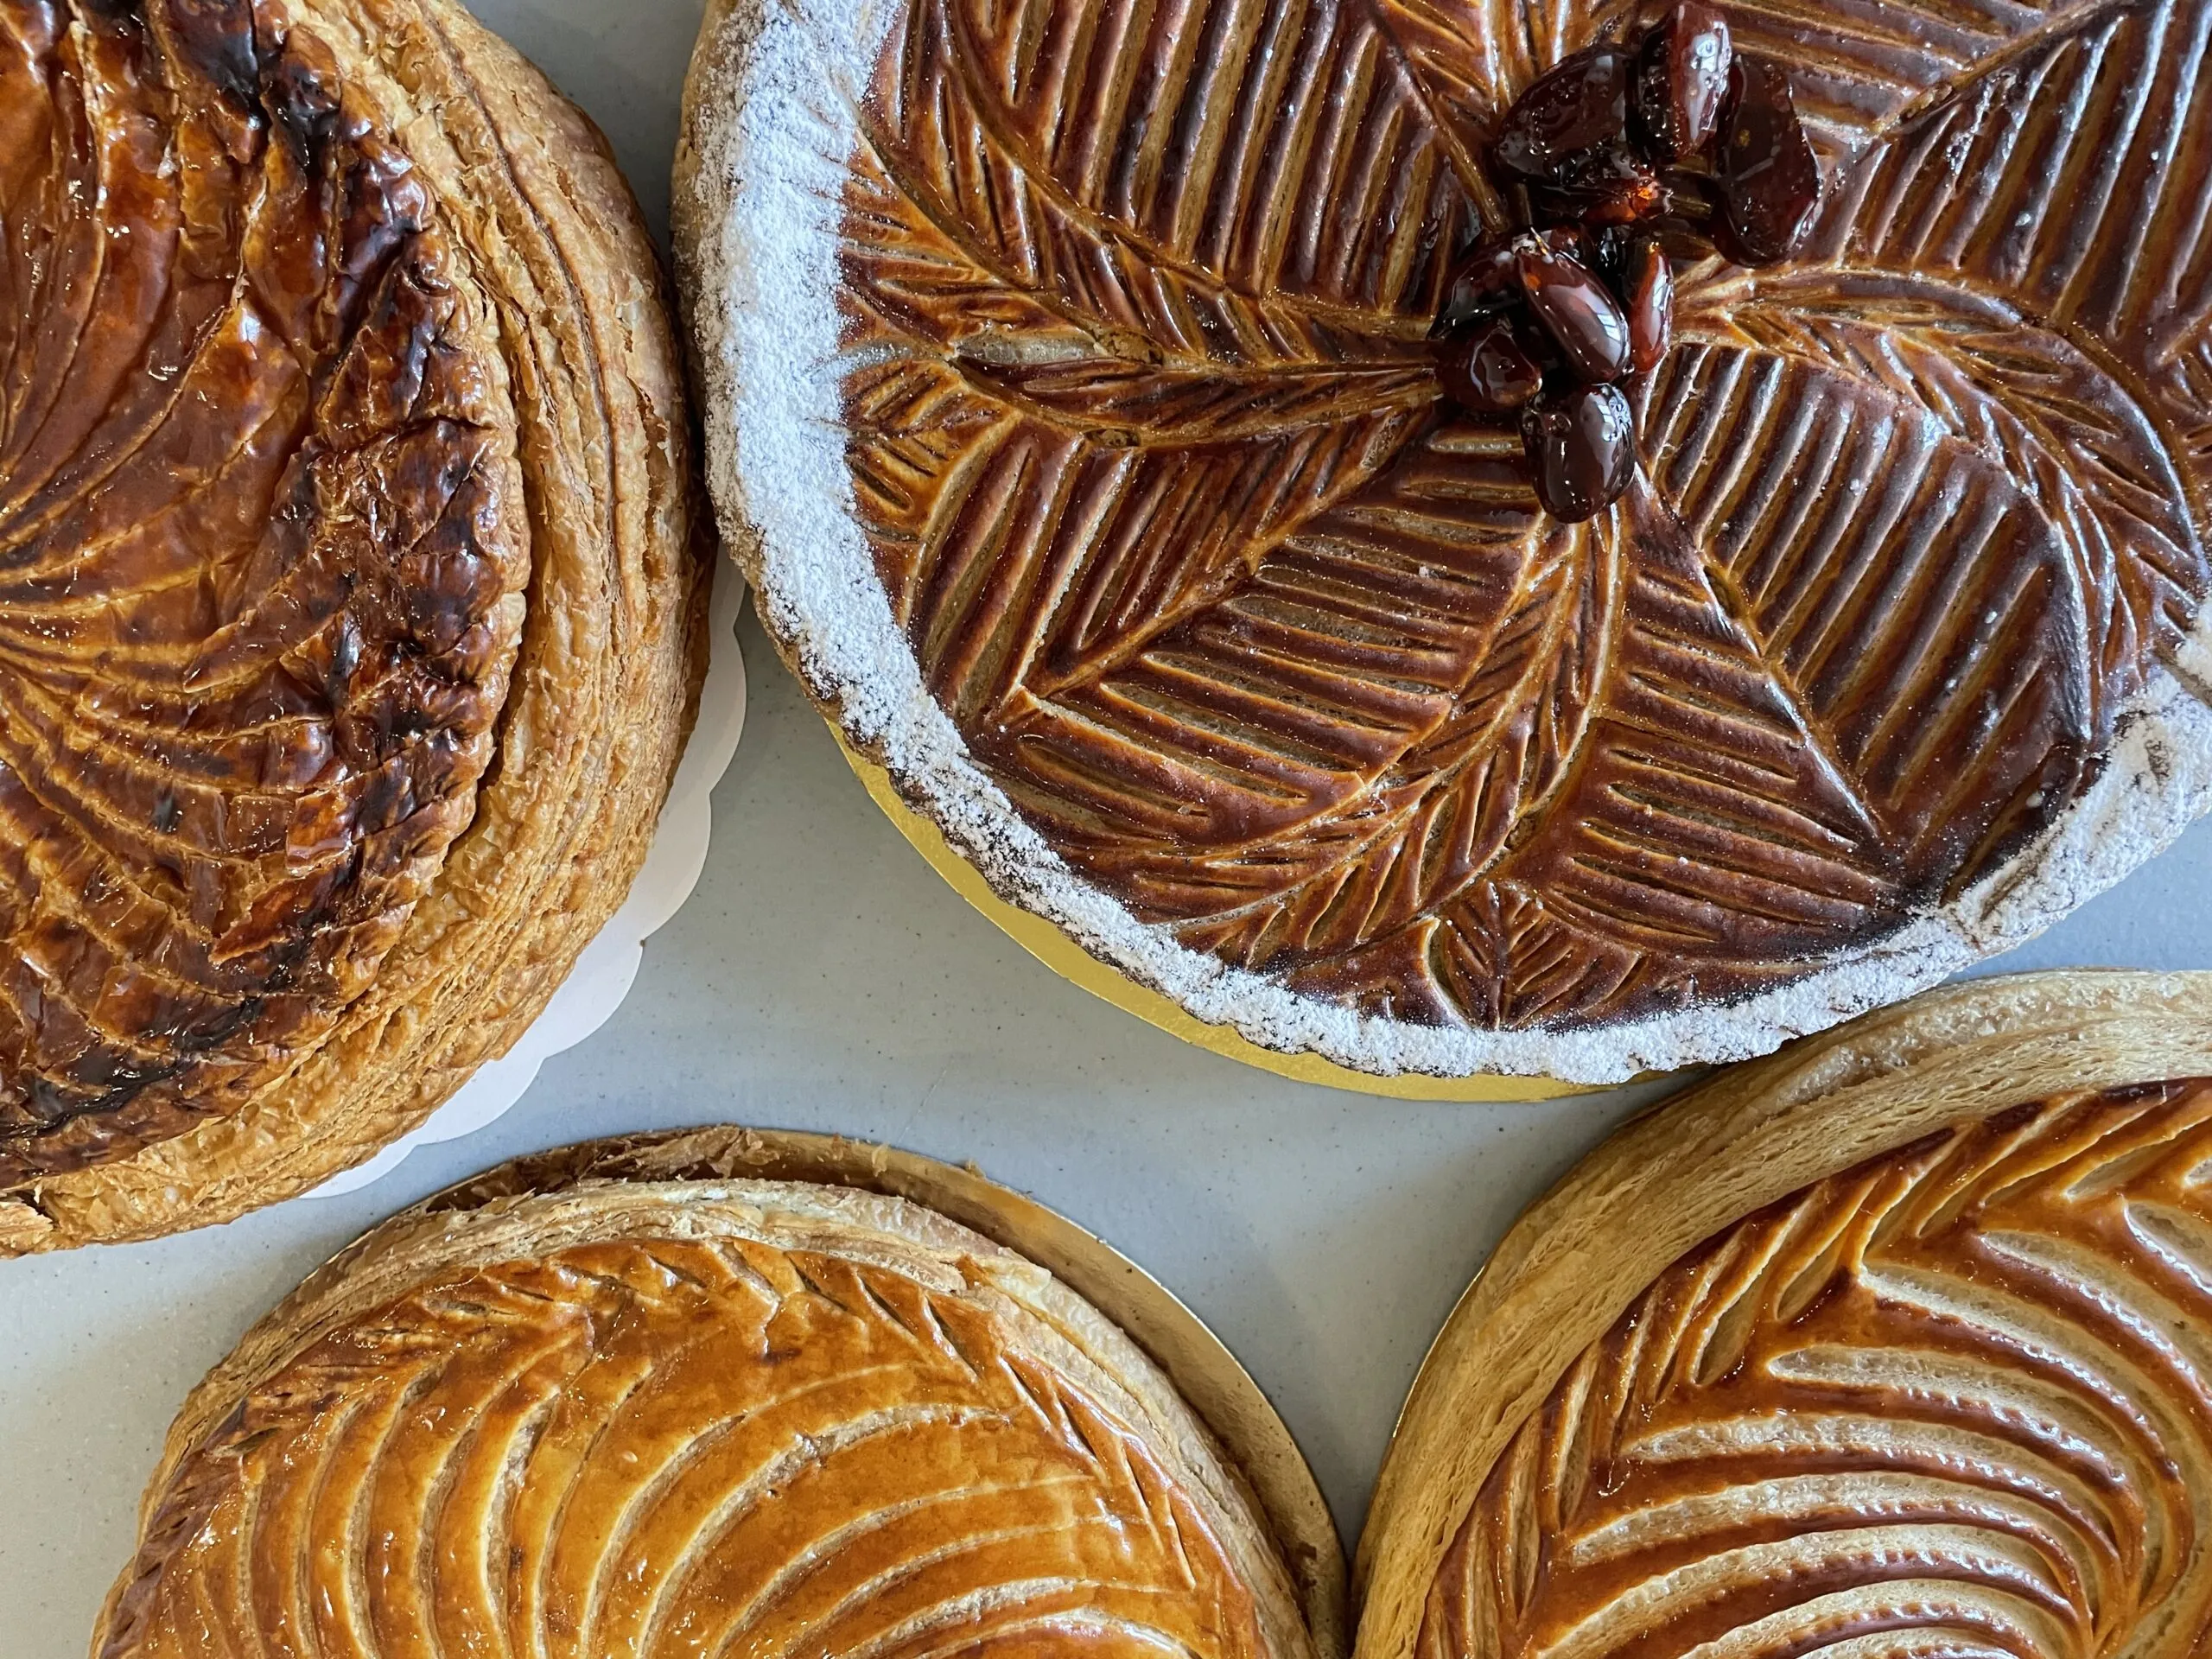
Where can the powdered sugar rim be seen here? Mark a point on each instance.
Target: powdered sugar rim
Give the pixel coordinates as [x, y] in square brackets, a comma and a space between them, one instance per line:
[772, 125]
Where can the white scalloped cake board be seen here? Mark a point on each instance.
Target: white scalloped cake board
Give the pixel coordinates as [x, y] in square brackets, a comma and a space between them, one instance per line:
[771, 175]
[608, 966]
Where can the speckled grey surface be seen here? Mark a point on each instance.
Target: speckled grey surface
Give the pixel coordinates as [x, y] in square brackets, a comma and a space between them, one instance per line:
[823, 977]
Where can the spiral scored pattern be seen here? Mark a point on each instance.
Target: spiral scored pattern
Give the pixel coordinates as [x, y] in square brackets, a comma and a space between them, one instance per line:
[709, 1444]
[1957, 1402]
[262, 562]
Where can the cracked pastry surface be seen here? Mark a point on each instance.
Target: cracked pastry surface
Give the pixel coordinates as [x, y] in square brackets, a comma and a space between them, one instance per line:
[1165, 579]
[1952, 1398]
[669, 1418]
[302, 674]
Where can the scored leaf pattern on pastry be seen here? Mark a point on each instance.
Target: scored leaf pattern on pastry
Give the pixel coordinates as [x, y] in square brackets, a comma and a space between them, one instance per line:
[1957, 1402]
[677, 1448]
[261, 561]
[1266, 641]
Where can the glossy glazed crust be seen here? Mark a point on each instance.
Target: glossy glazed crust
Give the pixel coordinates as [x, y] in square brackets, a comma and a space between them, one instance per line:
[1577, 1262]
[604, 676]
[1201, 1369]
[1952, 1395]
[858, 1291]
[1085, 453]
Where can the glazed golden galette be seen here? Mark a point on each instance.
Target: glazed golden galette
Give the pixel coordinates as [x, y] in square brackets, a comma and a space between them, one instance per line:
[663, 1412]
[1474, 536]
[349, 597]
[1932, 1382]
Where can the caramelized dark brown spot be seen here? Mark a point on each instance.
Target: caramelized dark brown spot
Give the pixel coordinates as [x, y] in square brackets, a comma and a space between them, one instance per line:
[257, 563]
[215, 37]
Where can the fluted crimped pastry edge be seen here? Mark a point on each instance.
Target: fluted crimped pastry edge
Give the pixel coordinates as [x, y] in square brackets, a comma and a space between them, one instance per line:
[614, 650]
[1693, 1165]
[1125, 1321]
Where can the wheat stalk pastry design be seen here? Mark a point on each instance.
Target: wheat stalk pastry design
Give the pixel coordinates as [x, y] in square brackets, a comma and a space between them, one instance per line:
[1142, 544]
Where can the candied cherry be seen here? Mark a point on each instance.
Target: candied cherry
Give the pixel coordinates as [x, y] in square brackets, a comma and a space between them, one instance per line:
[1487, 370]
[1649, 291]
[1607, 187]
[1575, 309]
[1616, 156]
[1577, 108]
[1483, 280]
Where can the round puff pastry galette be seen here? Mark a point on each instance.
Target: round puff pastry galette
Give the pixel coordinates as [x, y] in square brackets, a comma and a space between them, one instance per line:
[1097, 396]
[1893, 1347]
[351, 593]
[613, 1401]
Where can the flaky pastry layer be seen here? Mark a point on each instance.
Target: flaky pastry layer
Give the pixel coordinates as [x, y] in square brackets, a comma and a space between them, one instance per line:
[1923, 1377]
[352, 611]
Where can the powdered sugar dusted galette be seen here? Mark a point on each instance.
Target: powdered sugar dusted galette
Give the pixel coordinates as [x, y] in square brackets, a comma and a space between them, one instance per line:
[1474, 536]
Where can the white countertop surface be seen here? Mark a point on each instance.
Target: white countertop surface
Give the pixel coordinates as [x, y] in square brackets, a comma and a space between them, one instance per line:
[823, 977]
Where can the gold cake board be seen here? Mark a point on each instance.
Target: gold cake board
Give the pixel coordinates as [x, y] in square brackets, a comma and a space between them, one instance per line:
[1072, 962]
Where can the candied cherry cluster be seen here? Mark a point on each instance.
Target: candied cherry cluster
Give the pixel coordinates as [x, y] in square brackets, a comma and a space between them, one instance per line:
[1615, 155]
